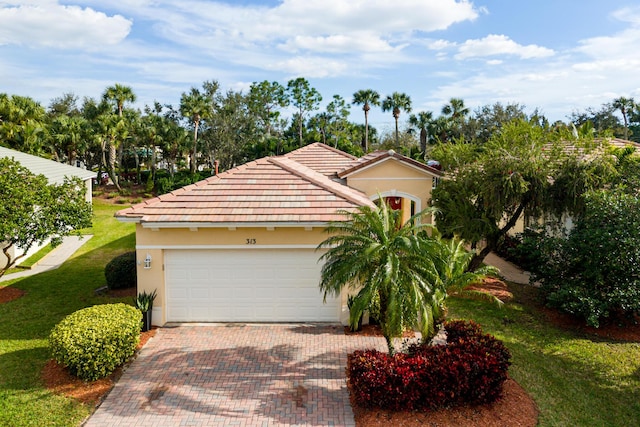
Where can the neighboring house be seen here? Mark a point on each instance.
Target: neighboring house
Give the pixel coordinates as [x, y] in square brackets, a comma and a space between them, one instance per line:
[55, 173]
[241, 246]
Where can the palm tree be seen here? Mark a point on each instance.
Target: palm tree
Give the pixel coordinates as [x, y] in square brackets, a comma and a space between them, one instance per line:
[117, 94]
[195, 106]
[455, 111]
[625, 105]
[366, 98]
[455, 278]
[397, 102]
[392, 264]
[423, 122]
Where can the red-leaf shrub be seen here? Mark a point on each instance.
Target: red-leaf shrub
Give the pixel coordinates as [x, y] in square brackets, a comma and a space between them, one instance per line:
[470, 369]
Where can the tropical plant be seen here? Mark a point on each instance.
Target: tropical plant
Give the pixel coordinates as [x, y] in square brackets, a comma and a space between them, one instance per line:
[196, 106]
[382, 260]
[626, 106]
[144, 301]
[366, 98]
[396, 102]
[423, 121]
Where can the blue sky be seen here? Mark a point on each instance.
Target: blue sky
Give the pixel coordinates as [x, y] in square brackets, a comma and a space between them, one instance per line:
[558, 56]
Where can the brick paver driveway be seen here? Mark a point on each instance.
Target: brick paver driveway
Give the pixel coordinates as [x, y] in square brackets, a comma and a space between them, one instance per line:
[236, 375]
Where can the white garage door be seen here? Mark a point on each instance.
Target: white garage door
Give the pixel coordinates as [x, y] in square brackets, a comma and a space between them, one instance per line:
[248, 285]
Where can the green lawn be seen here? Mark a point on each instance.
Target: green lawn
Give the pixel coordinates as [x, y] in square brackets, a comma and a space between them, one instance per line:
[26, 322]
[576, 380]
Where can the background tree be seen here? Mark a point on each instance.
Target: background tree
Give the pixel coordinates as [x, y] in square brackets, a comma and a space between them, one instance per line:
[32, 210]
[22, 124]
[422, 122]
[626, 106]
[366, 98]
[396, 102]
[197, 106]
[455, 113]
[116, 95]
[305, 99]
[489, 119]
[265, 99]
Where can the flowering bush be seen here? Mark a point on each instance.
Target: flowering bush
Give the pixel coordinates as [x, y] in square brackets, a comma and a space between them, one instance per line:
[470, 369]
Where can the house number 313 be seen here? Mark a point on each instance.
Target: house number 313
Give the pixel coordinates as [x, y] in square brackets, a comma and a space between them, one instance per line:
[251, 241]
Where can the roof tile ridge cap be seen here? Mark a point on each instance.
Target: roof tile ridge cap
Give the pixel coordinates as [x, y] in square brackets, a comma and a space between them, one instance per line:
[308, 174]
[362, 162]
[337, 151]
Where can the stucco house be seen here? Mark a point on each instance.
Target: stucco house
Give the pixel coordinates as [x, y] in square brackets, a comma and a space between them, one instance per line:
[55, 173]
[241, 246]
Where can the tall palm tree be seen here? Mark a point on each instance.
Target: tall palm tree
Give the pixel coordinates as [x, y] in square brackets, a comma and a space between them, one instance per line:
[117, 94]
[455, 112]
[423, 121]
[397, 102]
[625, 105]
[195, 106]
[366, 98]
[392, 264]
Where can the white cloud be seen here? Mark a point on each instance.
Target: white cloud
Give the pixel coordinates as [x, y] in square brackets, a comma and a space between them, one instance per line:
[495, 44]
[363, 42]
[48, 24]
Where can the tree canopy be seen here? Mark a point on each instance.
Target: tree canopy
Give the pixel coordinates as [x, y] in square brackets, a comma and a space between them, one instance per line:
[523, 170]
[32, 210]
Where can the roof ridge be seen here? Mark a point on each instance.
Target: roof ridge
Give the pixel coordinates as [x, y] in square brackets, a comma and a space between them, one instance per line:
[326, 147]
[307, 173]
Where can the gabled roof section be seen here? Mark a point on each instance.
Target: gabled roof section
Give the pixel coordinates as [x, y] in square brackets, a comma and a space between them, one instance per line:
[622, 143]
[378, 157]
[322, 158]
[54, 172]
[272, 190]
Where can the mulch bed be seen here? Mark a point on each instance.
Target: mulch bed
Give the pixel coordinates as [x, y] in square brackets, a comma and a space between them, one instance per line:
[58, 379]
[9, 293]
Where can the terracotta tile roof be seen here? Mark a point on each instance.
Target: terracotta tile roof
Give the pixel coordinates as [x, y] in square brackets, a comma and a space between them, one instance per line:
[378, 156]
[322, 158]
[622, 143]
[268, 190]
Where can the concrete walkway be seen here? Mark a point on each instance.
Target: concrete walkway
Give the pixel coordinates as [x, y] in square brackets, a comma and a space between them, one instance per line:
[53, 259]
[509, 271]
[237, 375]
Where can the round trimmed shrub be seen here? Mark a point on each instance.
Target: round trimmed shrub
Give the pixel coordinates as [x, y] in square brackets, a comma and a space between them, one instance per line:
[94, 341]
[120, 272]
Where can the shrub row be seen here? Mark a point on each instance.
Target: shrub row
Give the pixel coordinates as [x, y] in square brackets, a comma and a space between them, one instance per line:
[470, 369]
[94, 341]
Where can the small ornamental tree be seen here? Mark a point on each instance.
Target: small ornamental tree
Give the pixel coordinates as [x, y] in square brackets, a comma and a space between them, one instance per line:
[595, 272]
[32, 210]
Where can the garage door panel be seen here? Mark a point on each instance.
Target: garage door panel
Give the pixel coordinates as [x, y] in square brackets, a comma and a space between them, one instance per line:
[245, 285]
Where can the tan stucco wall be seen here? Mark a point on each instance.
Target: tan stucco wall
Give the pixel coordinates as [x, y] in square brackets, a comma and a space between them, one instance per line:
[392, 177]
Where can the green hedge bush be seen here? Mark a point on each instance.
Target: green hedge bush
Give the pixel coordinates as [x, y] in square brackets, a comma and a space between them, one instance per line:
[94, 341]
[120, 272]
[594, 273]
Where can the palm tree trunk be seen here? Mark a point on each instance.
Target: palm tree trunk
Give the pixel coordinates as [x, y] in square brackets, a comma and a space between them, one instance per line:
[397, 134]
[366, 131]
[112, 165]
[192, 165]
